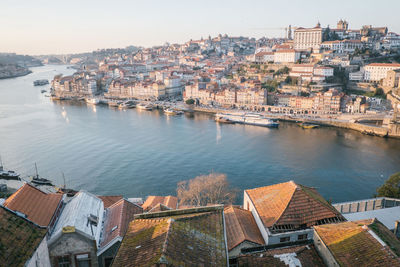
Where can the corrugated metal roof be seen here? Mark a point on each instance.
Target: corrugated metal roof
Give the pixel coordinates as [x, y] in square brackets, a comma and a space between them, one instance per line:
[386, 216]
[76, 213]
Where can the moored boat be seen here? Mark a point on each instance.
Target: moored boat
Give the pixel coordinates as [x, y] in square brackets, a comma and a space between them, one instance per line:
[307, 125]
[171, 111]
[143, 106]
[40, 82]
[126, 105]
[92, 101]
[220, 118]
[247, 118]
[39, 180]
[7, 175]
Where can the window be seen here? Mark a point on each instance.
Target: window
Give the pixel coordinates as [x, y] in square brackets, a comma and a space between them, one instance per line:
[63, 261]
[302, 237]
[285, 239]
[108, 261]
[82, 260]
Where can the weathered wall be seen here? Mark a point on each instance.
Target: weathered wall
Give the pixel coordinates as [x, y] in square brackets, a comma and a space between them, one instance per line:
[324, 252]
[72, 244]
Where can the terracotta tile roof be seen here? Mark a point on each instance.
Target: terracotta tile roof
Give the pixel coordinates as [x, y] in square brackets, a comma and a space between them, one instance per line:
[118, 217]
[18, 239]
[290, 204]
[241, 226]
[305, 254]
[354, 244]
[192, 237]
[109, 200]
[152, 201]
[159, 207]
[383, 65]
[38, 206]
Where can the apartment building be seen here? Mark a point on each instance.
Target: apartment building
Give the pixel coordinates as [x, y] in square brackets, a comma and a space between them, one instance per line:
[308, 38]
[378, 71]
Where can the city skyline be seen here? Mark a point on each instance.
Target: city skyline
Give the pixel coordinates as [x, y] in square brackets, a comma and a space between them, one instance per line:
[45, 27]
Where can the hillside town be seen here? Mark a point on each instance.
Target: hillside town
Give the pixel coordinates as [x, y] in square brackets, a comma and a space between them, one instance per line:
[285, 224]
[317, 72]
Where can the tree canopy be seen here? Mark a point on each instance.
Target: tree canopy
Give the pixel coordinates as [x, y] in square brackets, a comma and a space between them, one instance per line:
[213, 188]
[391, 187]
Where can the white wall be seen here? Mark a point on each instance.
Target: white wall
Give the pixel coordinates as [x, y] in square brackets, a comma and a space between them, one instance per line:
[41, 256]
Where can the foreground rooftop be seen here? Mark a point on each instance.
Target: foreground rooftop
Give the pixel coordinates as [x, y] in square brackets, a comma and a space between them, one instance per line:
[191, 237]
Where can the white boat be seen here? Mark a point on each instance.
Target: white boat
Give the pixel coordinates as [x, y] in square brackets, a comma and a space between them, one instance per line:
[171, 111]
[144, 106]
[92, 101]
[248, 118]
[127, 104]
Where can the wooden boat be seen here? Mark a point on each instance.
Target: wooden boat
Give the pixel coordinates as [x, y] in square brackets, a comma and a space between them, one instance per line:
[40, 181]
[306, 125]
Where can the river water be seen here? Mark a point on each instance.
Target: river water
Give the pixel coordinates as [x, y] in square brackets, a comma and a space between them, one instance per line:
[136, 153]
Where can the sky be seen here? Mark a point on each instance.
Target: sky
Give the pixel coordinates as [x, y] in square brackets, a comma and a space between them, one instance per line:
[72, 26]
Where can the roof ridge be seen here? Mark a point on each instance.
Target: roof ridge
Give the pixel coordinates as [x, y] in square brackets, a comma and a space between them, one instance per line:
[165, 244]
[240, 225]
[288, 204]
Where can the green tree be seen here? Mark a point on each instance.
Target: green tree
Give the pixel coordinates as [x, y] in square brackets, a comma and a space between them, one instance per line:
[189, 101]
[391, 188]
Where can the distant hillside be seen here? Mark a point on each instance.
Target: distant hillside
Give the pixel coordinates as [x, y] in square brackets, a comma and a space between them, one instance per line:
[20, 60]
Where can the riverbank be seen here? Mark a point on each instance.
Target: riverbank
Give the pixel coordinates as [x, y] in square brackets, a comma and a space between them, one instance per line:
[392, 131]
[15, 75]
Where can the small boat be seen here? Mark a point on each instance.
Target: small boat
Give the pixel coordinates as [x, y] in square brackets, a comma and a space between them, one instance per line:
[221, 119]
[114, 103]
[307, 125]
[8, 175]
[43, 91]
[126, 105]
[40, 82]
[144, 106]
[92, 101]
[40, 181]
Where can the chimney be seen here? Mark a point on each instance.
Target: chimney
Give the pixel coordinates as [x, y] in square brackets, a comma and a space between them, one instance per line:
[396, 229]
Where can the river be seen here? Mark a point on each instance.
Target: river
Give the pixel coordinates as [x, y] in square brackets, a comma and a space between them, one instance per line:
[137, 153]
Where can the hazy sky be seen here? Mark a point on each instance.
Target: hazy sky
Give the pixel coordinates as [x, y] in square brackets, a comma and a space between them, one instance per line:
[69, 26]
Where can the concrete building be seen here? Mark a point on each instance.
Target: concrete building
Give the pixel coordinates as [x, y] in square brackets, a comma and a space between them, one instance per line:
[116, 222]
[286, 56]
[377, 71]
[285, 212]
[76, 236]
[392, 79]
[241, 230]
[310, 38]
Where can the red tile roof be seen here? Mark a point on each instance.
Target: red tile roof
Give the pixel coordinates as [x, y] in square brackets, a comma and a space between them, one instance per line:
[152, 201]
[290, 204]
[241, 226]
[193, 237]
[306, 254]
[109, 200]
[118, 217]
[383, 65]
[38, 206]
[19, 239]
[354, 243]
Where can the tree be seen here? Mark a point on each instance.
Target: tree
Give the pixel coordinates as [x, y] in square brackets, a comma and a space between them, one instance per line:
[189, 101]
[391, 188]
[206, 189]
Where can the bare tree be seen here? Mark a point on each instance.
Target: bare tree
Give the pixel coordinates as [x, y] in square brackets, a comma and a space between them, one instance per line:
[206, 189]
